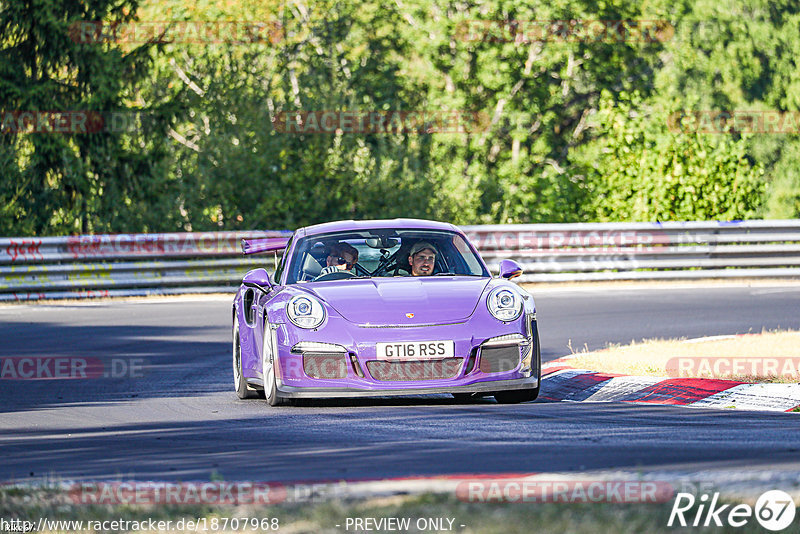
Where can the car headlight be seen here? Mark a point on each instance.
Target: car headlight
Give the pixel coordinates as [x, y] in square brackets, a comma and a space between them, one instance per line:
[305, 311]
[504, 304]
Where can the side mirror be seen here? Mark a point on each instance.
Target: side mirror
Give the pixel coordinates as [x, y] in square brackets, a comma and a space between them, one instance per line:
[259, 279]
[509, 269]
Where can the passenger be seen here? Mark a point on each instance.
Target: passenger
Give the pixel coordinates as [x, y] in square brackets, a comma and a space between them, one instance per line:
[422, 258]
[342, 257]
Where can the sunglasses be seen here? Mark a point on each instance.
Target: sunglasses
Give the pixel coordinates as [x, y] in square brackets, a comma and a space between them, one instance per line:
[339, 260]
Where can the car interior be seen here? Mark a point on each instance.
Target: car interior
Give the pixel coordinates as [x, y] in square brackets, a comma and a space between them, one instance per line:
[377, 256]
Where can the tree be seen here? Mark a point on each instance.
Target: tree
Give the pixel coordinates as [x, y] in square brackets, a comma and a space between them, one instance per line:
[643, 167]
[240, 171]
[734, 55]
[537, 88]
[78, 180]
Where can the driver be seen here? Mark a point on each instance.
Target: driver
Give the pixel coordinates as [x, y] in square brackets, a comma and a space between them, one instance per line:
[422, 258]
[341, 257]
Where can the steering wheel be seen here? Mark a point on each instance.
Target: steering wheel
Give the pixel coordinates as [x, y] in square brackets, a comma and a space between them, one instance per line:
[339, 275]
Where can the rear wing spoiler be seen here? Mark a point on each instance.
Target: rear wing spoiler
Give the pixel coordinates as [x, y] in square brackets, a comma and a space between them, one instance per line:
[263, 244]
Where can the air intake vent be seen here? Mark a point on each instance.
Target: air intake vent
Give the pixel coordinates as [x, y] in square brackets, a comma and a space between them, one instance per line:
[325, 365]
[499, 359]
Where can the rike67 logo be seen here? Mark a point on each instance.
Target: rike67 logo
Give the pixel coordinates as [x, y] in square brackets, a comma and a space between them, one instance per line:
[774, 510]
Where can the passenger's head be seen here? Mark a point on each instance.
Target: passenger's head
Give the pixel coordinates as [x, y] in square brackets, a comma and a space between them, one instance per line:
[342, 255]
[422, 258]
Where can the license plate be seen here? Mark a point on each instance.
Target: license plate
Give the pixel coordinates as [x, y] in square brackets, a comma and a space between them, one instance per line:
[416, 350]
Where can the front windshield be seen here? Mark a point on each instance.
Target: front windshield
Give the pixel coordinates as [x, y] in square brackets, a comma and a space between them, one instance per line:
[382, 253]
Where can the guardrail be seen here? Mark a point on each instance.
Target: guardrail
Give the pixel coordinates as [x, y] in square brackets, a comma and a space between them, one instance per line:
[149, 264]
[124, 264]
[644, 251]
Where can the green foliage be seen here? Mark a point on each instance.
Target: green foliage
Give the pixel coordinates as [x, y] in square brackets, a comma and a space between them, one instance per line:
[742, 55]
[537, 93]
[56, 183]
[577, 129]
[641, 169]
[240, 172]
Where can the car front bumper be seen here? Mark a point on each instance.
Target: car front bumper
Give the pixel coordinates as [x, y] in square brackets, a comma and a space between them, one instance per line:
[487, 387]
[353, 347]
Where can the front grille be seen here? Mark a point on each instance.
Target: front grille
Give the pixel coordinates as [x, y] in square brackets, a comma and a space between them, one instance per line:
[499, 359]
[325, 365]
[401, 371]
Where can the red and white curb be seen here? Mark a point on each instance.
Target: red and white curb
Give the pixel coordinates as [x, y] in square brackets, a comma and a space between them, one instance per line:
[563, 383]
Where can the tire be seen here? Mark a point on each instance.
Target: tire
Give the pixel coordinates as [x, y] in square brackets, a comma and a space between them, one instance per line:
[465, 398]
[243, 391]
[516, 396]
[268, 372]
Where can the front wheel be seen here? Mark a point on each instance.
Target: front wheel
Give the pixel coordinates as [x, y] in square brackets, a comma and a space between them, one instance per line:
[268, 371]
[243, 391]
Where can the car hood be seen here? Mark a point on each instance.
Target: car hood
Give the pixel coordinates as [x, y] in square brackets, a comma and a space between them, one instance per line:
[390, 301]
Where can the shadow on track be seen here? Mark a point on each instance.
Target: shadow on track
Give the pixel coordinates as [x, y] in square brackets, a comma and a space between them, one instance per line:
[114, 364]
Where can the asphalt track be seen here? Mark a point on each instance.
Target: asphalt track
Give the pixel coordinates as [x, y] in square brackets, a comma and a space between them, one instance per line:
[181, 420]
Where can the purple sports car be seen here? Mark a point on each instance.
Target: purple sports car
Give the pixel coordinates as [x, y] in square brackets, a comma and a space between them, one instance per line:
[387, 307]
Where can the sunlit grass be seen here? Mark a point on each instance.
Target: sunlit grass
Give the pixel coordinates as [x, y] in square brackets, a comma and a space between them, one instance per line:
[764, 357]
